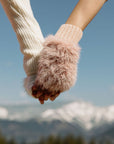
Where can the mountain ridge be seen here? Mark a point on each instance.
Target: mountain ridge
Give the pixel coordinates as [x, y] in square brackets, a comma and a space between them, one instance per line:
[77, 118]
[86, 114]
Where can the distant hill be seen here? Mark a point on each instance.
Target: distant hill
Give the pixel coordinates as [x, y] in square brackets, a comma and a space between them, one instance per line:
[33, 130]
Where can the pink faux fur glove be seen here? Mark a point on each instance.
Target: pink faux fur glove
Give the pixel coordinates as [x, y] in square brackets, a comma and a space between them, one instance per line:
[57, 65]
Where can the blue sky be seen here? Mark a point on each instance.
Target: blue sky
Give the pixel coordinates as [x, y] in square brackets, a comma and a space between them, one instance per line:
[96, 67]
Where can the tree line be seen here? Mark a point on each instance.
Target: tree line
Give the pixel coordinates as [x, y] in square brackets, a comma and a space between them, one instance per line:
[70, 139]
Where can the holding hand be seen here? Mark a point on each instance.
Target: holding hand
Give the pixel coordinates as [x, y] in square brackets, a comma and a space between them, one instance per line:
[57, 64]
[50, 64]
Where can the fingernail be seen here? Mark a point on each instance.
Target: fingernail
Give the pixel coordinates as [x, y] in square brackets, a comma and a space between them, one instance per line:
[34, 90]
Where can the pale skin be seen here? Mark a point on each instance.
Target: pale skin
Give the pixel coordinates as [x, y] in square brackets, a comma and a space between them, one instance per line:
[84, 12]
[81, 16]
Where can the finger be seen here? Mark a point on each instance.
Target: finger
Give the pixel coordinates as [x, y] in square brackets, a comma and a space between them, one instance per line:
[53, 97]
[47, 94]
[34, 91]
[41, 102]
[39, 93]
[46, 97]
[41, 99]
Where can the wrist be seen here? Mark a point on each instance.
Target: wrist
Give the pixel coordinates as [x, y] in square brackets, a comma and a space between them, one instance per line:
[69, 33]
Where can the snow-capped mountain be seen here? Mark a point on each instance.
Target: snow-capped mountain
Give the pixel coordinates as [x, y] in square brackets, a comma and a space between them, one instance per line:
[83, 113]
[77, 118]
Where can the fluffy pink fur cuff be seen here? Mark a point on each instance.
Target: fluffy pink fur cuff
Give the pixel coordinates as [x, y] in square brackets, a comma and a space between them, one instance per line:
[57, 68]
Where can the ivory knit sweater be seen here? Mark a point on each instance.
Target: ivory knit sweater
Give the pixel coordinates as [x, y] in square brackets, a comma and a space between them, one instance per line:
[28, 33]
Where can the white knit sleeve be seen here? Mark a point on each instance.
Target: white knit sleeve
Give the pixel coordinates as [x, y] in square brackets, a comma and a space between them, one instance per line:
[29, 35]
[27, 30]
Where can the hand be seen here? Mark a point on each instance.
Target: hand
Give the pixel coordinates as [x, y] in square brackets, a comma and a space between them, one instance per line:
[56, 69]
[43, 94]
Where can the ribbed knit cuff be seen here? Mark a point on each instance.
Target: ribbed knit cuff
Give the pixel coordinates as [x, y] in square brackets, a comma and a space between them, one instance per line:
[69, 33]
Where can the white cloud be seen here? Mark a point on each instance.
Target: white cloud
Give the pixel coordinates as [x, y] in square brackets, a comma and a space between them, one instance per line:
[3, 113]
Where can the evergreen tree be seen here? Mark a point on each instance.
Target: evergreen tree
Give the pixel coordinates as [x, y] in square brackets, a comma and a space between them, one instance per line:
[50, 140]
[69, 140]
[108, 142]
[2, 139]
[58, 140]
[42, 141]
[80, 140]
[92, 141]
[66, 140]
[12, 141]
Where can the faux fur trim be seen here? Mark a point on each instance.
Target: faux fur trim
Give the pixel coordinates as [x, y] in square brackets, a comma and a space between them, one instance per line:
[57, 65]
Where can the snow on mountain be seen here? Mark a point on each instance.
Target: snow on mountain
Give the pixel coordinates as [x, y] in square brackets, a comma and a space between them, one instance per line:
[3, 113]
[86, 114]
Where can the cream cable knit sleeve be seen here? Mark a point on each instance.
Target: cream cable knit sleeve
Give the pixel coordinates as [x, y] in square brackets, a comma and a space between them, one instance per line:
[28, 34]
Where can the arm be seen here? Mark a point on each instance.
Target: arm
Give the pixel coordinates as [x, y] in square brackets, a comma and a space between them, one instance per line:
[60, 55]
[84, 12]
[28, 33]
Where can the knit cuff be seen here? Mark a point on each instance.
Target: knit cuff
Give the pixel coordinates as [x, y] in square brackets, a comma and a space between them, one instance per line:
[69, 33]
